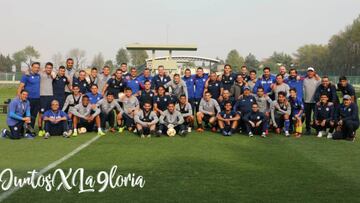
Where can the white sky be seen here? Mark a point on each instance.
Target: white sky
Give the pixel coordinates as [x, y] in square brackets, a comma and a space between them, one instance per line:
[215, 26]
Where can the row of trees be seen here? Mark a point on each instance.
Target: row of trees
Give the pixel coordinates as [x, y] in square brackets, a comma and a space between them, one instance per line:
[340, 56]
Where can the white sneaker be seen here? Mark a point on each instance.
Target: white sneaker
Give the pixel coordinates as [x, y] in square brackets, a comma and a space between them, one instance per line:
[189, 130]
[66, 135]
[263, 134]
[47, 135]
[148, 136]
[142, 136]
[320, 134]
[250, 134]
[329, 136]
[287, 134]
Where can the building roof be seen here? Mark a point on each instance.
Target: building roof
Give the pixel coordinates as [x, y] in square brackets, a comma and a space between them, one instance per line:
[175, 47]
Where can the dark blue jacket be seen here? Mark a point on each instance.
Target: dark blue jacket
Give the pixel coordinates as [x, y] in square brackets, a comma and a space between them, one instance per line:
[324, 111]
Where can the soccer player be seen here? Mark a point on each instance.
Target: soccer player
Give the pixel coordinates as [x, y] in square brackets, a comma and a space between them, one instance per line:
[81, 82]
[237, 88]
[213, 85]
[31, 83]
[227, 78]
[94, 95]
[190, 85]
[297, 109]
[186, 111]
[265, 81]
[324, 116]
[199, 82]
[70, 74]
[311, 82]
[124, 70]
[86, 116]
[348, 119]
[280, 114]
[146, 121]
[132, 82]
[208, 109]
[243, 106]
[244, 73]
[177, 87]
[46, 93]
[252, 80]
[161, 100]
[19, 118]
[264, 103]
[174, 118]
[228, 120]
[146, 76]
[161, 78]
[226, 98]
[282, 71]
[346, 88]
[93, 79]
[326, 88]
[103, 78]
[56, 121]
[131, 107]
[255, 122]
[280, 86]
[108, 106]
[59, 83]
[115, 85]
[146, 95]
[295, 81]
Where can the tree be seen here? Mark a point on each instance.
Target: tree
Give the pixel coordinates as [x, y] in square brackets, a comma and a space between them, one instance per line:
[18, 59]
[235, 60]
[78, 56]
[138, 57]
[98, 61]
[279, 59]
[58, 60]
[251, 62]
[30, 54]
[5, 63]
[110, 63]
[313, 55]
[122, 56]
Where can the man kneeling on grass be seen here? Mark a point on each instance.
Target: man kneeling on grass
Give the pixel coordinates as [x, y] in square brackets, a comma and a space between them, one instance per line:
[280, 114]
[255, 122]
[19, 119]
[208, 109]
[86, 115]
[146, 121]
[324, 117]
[228, 120]
[108, 106]
[131, 107]
[172, 118]
[186, 111]
[55, 121]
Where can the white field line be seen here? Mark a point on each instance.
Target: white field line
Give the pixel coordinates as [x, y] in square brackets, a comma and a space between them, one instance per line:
[6, 194]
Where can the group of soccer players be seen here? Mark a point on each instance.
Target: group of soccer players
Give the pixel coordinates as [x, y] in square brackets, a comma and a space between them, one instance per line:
[68, 102]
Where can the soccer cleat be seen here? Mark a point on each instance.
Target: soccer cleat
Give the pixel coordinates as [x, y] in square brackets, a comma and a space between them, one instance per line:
[28, 136]
[229, 133]
[200, 130]
[66, 134]
[47, 135]
[3, 133]
[121, 129]
[41, 133]
[148, 136]
[213, 129]
[75, 134]
[320, 134]
[142, 136]
[224, 133]
[158, 133]
[251, 134]
[263, 135]
[287, 134]
[329, 136]
[101, 133]
[189, 130]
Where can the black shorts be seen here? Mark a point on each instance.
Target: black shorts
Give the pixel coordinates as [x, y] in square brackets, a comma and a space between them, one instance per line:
[280, 121]
[17, 131]
[207, 118]
[88, 125]
[45, 103]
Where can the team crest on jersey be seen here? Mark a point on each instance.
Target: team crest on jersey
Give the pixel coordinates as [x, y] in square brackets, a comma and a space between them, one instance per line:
[258, 117]
[251, 100]
[136, 81]
[204, 80]
[230, 78]
[64, 80]
[328, 89]
[164, 79]
[32, 77]
[84, 85]
[349, 109]
[216, 84]
[327, 109]
[15, 128]
[165, 99]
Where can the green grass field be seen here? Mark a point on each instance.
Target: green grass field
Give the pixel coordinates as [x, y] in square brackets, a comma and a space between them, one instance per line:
[202, 167]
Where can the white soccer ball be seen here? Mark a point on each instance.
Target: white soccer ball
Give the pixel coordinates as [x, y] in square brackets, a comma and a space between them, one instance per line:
[171, 132]
[82, 130]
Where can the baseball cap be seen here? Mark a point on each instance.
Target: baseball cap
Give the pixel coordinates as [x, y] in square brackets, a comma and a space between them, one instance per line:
[310, 69]
[246, 88]
[346, 96]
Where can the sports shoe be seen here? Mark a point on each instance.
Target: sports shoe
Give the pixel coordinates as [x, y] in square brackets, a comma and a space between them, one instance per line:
[287, 134]
[263, 135]
[3, 133]
[251, 134]
[142, 136]
[229, 133]
[28, 136]
[41, 133]
[329, 136]
[121, 129]
[101, 133]
[148, 136]
[47, 135]
[158, 133]
[320, 134]
[75, 134]
[213, 129]
[189, 130]
[66, 134]
[224, 133]
[200, 130]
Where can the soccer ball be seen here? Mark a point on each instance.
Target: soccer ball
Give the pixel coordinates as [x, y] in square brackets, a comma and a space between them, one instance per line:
[171, 132]
[82, 130]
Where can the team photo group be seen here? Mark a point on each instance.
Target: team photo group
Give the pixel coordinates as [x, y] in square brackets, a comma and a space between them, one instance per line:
[68, 102]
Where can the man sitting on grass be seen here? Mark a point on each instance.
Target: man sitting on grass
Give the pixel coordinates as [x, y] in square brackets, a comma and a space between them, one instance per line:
[19, 118]
[55, 121]
[131, 107]
[297, 109]
[146, 121]
[228, 120]
[208, 109]
[107, 107]
[256, 122]
[186, 111]
[86, 116]
[171, 117]
[280, 114]
[324, 116]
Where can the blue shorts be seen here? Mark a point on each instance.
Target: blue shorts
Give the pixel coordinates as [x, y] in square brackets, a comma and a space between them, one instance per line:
[45, 103]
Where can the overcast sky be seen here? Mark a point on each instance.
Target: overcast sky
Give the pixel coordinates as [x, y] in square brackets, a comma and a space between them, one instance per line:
[215, 26]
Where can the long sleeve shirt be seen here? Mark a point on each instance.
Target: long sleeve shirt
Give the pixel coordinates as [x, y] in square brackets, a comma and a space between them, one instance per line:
[82, 111]
[18, 109]
[279, 110]
[185, 110]
[174, 118]
[143, 118]
[106, 107]
[208, 107]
